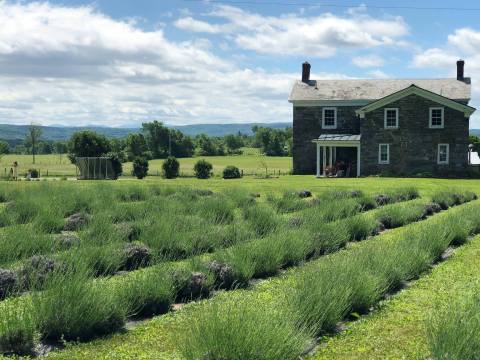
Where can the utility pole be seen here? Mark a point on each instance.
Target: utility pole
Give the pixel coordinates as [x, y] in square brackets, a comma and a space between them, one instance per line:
[169, 143]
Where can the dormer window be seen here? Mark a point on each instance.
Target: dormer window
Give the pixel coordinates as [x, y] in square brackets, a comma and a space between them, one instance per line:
[436, 118]
[391, 118]
[329, 118]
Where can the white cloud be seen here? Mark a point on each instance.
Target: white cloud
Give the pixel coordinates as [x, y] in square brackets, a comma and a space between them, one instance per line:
[189, 23]
[319, 36]
[462, 43]
[368, 61]
[75, 65]
[435, 57]
[466, 40]
[378, 74]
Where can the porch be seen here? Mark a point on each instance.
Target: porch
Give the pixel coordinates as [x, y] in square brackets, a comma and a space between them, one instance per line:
[328, 150]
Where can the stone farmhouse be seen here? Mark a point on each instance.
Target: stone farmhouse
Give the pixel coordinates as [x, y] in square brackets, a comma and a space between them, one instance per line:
[359, 127]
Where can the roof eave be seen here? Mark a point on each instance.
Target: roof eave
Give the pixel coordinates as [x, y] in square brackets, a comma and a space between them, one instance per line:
[414, 89]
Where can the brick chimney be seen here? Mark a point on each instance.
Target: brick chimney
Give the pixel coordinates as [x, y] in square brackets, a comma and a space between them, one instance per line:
[306, 72]
[460, 65]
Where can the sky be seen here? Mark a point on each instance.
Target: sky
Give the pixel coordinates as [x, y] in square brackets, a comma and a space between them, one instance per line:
[121, 63]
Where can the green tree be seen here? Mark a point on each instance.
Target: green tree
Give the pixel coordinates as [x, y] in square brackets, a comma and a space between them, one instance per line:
[181, 144]
[88, 143]
[4, 148]
[163, 142]
[475, 141]
[273, 142]
[60, 147]
[157, 137]
[136, 146]
[34, 132]
[209, 146]
[45, 147]
[233, 143]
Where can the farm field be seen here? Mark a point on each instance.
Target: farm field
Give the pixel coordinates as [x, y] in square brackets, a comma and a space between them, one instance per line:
[257, 266]
[251, 163]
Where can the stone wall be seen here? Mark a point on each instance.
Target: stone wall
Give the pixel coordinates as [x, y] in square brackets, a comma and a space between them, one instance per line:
[307, 126]
[413, 146]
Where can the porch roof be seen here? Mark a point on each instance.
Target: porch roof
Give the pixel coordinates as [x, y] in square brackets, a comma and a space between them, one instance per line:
[338, 137]
[340, 140]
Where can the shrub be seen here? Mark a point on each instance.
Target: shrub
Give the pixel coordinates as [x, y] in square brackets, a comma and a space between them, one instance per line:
[242, 328]
[136, 255]
[116, 165]
[66, 241]
[170, 168]
[191, 285]
[224, 276]
[216, 209]
[17, 330]
[320, 300]
[231, 172]
[453, 329]
[74, 308]
[400, 214]
[101, 260]
[76, 222]
[304, 194]
[360, 227]
[37, 270]
[203, 169]
[33, 173]
[261, 218]
[140, 167]
[8, 282]
[289, 202]
[148, 293]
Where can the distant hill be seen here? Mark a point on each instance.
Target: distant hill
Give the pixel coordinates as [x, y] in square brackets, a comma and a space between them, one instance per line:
[225, 129]
[475, 132]
[15, 133]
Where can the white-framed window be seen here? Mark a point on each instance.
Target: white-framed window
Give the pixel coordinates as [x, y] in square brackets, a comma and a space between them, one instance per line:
[384, 153]
[436, 118]
[391, 118]
[443, 154]
[329, 118]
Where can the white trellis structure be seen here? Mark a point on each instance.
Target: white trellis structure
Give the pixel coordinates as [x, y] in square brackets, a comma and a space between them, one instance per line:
[94, 168]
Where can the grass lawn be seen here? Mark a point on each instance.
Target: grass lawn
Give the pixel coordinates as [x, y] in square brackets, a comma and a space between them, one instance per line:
[397, 329]
[251, 163]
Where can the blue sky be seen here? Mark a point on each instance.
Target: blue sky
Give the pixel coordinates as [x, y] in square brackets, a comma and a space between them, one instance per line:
[121, 63]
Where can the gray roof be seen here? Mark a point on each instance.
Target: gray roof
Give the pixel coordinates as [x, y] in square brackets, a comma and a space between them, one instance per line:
[339, 137]
[364, 89]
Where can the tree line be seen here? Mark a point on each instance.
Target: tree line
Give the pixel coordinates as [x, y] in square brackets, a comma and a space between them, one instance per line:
[154, 141]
